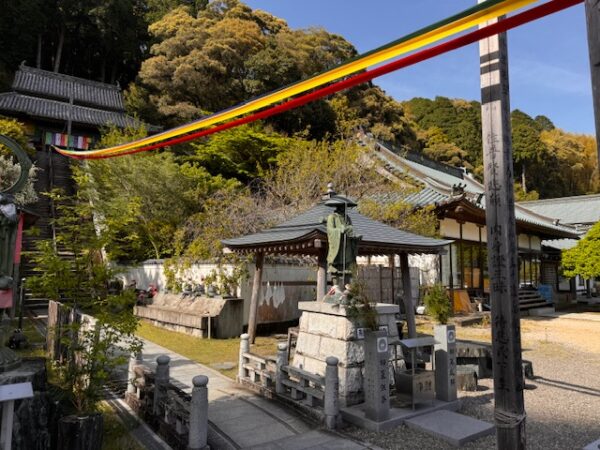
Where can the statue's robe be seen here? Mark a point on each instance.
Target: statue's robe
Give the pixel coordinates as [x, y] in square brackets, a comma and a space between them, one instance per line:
[342, 243]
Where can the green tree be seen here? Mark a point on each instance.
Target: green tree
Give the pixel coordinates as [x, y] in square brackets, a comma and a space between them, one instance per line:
[244, 153]
[584, 258]
[82, 281]
[140, 201]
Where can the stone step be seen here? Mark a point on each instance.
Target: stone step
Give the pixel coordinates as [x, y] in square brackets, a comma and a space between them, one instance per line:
[454, 428]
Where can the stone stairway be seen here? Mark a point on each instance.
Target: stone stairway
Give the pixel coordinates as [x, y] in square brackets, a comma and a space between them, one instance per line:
[54, 172]
[531, 298]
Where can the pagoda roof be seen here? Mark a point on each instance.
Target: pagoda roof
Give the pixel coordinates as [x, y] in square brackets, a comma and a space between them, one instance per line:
[306, 234]
[447, 187]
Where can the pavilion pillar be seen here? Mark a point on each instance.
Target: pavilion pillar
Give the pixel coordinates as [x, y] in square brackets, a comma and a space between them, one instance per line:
[392, 264]
[321, 275]
[407, 297]
[256, 285]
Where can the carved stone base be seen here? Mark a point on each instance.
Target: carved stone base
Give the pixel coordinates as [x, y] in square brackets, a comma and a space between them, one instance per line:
[326, 330]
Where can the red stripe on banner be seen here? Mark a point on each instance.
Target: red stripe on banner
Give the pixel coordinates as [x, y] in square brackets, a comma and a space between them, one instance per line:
[453, 44]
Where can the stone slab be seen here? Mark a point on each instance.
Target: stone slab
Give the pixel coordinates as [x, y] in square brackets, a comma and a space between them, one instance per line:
[356, 415]
[337, 310]
[593, 446]
[312, 440]
[450, 426]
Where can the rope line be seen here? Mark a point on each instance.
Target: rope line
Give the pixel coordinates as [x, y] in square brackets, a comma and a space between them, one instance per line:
[414, 41]
[428, 53]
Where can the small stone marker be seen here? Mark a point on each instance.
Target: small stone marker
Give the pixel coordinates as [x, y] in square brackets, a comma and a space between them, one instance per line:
[377, 376]
[445, 362]
[452, 427]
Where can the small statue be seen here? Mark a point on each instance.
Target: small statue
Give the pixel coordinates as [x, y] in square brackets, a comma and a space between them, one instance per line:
[343, 246]
[9, 220]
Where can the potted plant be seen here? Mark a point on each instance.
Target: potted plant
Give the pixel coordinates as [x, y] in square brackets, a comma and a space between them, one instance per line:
[438, 307]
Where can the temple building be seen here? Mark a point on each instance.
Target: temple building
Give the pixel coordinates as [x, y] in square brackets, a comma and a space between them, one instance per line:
[459, 201]
[63, 110]
[581, 212]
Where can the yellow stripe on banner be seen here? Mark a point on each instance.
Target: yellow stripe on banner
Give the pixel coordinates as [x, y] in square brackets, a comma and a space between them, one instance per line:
[324, 78]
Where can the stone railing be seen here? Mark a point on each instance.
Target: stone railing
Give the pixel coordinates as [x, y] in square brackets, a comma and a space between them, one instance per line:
[180, 419]
[313, 393]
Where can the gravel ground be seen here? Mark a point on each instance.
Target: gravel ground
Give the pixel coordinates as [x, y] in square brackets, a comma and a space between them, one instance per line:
[563, 404]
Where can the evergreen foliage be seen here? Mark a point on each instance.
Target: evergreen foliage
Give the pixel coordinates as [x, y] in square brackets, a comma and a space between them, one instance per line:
[584, 258]
[82, 281]
[437, 302]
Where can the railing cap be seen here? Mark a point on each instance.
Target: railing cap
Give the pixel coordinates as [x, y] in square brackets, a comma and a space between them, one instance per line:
[332, 361]
[163, 359]
[200, 381]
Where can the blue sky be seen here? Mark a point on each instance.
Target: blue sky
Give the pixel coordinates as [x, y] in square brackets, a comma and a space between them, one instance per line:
[548, 59]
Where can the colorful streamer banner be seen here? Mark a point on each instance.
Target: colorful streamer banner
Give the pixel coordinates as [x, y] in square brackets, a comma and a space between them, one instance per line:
[64, 140]
[471, 17]
[501, 26]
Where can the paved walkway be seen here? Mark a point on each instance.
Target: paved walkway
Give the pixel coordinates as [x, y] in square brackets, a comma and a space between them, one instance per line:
[241, 419]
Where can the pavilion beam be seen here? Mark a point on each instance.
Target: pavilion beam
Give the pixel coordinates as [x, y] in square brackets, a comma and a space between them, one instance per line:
[256, 285]
[392, 264]
[509, 410]
[321, 274]
[407, 297]
[592, 13]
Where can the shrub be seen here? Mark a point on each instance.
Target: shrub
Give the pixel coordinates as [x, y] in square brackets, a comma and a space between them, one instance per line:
[437, 303]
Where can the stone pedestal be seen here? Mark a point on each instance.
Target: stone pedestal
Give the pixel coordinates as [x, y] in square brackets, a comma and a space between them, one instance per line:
[445, 362]
[326, 330]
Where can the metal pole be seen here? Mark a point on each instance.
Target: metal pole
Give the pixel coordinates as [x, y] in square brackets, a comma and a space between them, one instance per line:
[592, 15]
[21, 303]
[502, 243]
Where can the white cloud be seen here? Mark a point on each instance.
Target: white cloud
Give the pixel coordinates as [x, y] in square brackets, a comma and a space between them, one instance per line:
[555, 79]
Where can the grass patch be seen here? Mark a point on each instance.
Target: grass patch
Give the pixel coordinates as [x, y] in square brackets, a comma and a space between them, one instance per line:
[205, 351]
[116, 435]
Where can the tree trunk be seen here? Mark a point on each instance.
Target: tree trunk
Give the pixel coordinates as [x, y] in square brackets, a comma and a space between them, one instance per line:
[59, 49]
[523, 179]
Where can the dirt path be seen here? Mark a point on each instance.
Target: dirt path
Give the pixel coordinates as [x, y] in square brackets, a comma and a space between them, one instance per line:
[536, 332]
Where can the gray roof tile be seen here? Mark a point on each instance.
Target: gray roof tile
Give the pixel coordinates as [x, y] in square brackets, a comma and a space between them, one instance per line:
[373, 233]
[13, 102]
[581, 209]
[55, 85]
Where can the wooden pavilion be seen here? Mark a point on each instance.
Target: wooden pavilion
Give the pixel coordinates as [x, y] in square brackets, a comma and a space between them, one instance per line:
[306, 235]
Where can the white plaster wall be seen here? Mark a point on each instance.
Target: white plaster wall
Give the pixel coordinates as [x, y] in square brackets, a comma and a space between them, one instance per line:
[282, 288]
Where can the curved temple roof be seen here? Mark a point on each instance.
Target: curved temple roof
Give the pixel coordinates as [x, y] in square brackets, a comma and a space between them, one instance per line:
[307, 234]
